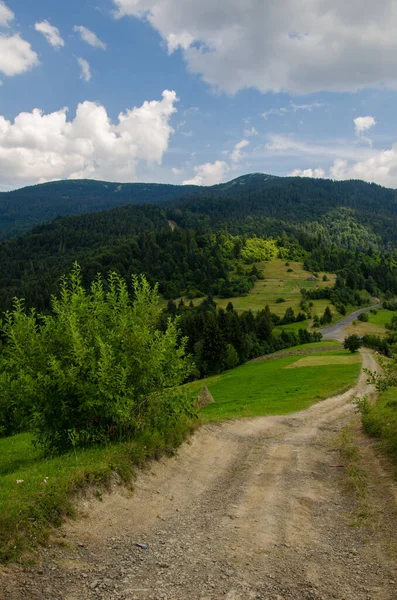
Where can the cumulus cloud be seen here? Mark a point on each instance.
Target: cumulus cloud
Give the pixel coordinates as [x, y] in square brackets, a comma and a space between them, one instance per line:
[380, 168]
[176, 171]
[50, 33]
[209, 173]
[314, 173]
[300, 47]
[362, 124]
[39, 147]
[16, 55]
[90, 37]
[6, 15]
[85, 70]
[236, 154]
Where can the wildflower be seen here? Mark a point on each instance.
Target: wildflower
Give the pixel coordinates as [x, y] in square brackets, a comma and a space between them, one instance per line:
[19, 480]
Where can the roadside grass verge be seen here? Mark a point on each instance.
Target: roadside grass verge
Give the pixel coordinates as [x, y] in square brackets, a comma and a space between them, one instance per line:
[36, 493]
[268, 388]
[355, 480]
[380, 421]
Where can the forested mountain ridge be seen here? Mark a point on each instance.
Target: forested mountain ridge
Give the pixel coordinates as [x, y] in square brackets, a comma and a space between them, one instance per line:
[281, 203]
[20, 210]
[290, 204]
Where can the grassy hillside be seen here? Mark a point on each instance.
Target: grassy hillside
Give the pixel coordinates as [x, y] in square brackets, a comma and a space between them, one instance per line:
[279, 282]
[279, 386]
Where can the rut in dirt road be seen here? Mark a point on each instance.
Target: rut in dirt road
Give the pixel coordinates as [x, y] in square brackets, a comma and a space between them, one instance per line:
[250, 509]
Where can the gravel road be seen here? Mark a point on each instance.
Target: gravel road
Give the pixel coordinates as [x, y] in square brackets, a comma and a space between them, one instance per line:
[251, 509]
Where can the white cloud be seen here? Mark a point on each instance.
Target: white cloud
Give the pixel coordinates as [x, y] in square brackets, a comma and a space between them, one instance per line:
[250, 132]
[236, 154]
[40, 147]
[277, 112]
[50, 33]
[209, 173]
[176, 171]
[16, 55]
[300, 47]
[90, 37]
[282, 111]
[314, 173]
[380, 168]
[363, 124]
[6, 15]
[290, 146]
[307, 107]
[85, 71]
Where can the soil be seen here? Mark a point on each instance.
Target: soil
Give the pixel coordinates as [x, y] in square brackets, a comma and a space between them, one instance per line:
[251, 509]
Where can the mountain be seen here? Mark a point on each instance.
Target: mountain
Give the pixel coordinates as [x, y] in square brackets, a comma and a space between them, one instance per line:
[20, 210]
[285, 200]
[176, 234]
[264, 204]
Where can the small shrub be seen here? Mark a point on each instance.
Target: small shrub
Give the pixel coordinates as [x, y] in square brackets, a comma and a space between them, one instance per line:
[280, 300]
[363, 317]
[353, 343]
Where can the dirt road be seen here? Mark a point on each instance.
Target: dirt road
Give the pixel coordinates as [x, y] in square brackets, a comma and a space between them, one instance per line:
[251, 509]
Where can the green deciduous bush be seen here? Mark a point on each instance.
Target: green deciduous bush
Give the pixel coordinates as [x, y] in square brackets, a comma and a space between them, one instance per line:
[96, 369]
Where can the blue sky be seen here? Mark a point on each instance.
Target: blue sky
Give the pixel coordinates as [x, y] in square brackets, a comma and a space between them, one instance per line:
[206, 91]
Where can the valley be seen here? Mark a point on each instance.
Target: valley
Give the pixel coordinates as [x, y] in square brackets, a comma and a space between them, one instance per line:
[113, 323]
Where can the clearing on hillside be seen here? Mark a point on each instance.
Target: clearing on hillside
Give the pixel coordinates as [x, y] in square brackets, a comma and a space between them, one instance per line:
[280, 282]
[270, 388]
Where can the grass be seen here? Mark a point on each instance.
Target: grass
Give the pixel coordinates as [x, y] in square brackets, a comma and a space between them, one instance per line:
[292, 327]
[380, 421]
[269, 388]
[36, 493]
[381, 318]
[321, 361]
[279, 283]
[356, 478]
[374, 326]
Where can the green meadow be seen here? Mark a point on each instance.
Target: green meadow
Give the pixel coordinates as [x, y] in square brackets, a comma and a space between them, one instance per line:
[273, 387]
[280, 283]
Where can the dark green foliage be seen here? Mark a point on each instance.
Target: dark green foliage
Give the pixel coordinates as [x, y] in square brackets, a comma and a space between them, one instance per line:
[96, 369]
[363, 317]
[181, 262]
[353, 343]
[220, 339]
[22, 209]
[326, 319]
